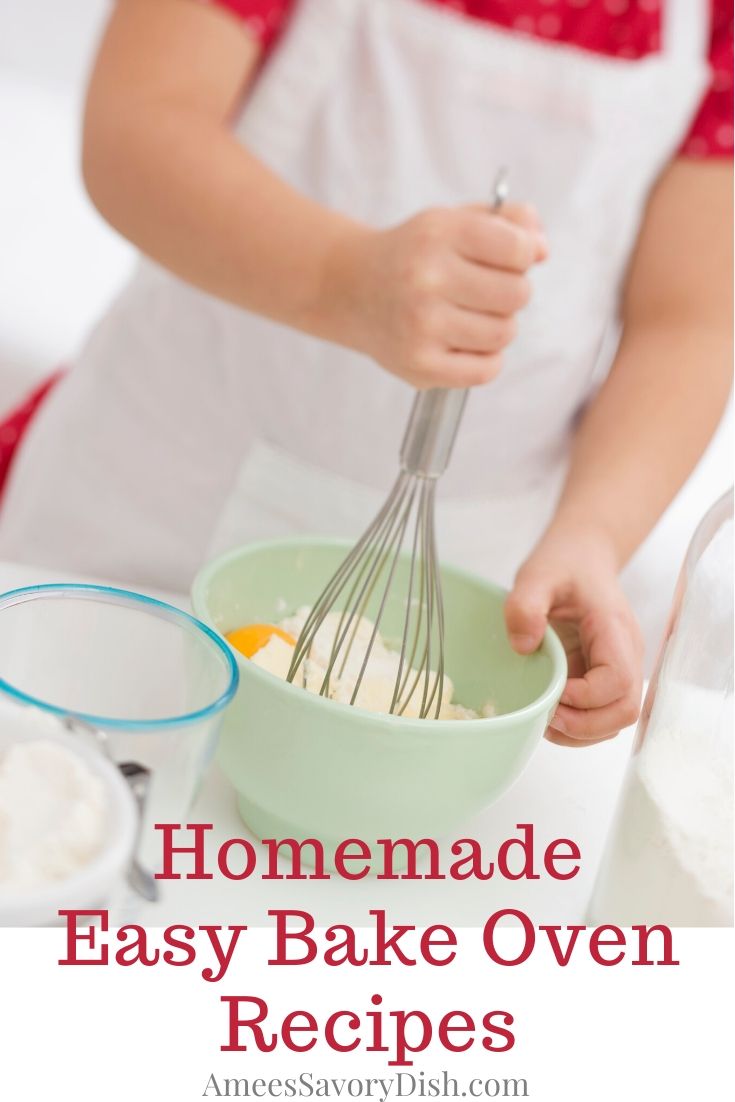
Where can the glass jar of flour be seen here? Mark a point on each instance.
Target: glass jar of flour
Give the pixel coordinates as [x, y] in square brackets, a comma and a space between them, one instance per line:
[669, 857]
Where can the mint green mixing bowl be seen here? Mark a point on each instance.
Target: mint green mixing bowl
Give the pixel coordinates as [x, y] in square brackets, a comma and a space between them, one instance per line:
[306, 767]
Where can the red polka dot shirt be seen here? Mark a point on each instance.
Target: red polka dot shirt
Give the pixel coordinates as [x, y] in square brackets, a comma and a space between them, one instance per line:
[622, 28]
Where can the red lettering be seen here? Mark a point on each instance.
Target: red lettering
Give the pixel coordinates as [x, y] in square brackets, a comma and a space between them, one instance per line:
[446, 1027]
[376, 1043]
[353, 1022]
[169, 850]
[291, 1026]
[135, 951]
[526, 871]
[551, 857]
[224, 956]
[74, 935]
[498, 1031]
[345, 951]
[562, 958]
[169, 937]
[236, 1023]
[488, 938]
[295, 857]
[644, 932]
[341, 856]
[473, 860]
[597, 942]
[403, 1045]
[411, 847]
[223, 855]
[385, 943]
[284, 935]
[439, 937]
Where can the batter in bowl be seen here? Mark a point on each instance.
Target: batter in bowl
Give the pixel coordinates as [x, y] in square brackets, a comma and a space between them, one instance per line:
[270, 646]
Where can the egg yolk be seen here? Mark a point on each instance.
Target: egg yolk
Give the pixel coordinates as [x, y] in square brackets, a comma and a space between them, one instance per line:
[251, 638]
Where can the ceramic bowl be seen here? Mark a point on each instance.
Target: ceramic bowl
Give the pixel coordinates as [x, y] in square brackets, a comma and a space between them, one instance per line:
[307, 767]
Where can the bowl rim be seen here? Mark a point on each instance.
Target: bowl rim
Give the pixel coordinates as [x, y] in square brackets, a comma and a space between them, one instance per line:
[109, 863]
[151, 605]
[551, 644]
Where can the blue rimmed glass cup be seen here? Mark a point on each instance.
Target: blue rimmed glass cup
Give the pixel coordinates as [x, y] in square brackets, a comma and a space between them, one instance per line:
[155, 680]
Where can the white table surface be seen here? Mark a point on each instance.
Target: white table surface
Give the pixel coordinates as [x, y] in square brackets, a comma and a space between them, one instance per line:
[565, 793]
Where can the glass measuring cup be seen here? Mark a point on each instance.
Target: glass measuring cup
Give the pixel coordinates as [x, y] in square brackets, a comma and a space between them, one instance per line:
[152, 678]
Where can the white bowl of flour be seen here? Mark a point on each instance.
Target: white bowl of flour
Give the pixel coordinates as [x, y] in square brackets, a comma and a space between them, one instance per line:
[67, 821]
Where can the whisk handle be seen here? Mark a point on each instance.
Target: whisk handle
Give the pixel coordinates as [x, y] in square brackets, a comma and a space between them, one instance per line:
[431, 431]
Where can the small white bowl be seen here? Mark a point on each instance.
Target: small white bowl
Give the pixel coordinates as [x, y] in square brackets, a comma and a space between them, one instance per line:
[92, 886]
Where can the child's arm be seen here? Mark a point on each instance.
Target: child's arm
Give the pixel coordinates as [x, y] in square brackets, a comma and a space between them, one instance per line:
[432, 300]
[637, 443]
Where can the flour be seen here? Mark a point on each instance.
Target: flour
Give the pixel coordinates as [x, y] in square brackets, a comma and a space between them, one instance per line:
[52, 813]
[670, 857]
[686, 767]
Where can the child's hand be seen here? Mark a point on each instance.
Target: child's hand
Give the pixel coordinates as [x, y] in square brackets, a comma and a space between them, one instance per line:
[571, 579]
[434, 299]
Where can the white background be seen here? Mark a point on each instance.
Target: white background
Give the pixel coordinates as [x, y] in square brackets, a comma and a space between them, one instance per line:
[60, 263]
[584, 1033]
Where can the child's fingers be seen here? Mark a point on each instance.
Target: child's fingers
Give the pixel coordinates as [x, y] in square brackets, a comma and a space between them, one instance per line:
[498, 242]
[611, 646]
[579, 723]
[523, 214]
[457, 369]
[489, 290]
[468, 331]
[552, 735]
[527, 610]
[526, 217]
[599, 686]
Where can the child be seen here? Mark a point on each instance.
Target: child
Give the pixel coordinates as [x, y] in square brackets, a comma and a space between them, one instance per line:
[315, 214]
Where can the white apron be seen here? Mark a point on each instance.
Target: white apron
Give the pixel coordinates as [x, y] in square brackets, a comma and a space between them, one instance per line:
[189, 426]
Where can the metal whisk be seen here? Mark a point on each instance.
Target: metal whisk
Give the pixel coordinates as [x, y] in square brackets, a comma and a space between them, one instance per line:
[372, 562]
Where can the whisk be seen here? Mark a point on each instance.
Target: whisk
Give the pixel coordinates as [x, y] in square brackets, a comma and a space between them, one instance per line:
[370, 567]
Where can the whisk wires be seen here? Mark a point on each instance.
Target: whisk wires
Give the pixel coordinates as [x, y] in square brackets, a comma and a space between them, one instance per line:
[362, 587]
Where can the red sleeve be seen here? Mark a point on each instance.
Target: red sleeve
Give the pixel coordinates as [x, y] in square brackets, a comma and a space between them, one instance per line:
[264, 18]
[15, 423]
[711, 134]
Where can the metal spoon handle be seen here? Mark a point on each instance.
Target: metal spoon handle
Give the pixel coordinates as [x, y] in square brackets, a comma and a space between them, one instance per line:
[138, 779]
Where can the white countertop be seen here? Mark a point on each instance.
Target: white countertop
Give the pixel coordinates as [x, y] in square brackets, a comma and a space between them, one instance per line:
[564, 793]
